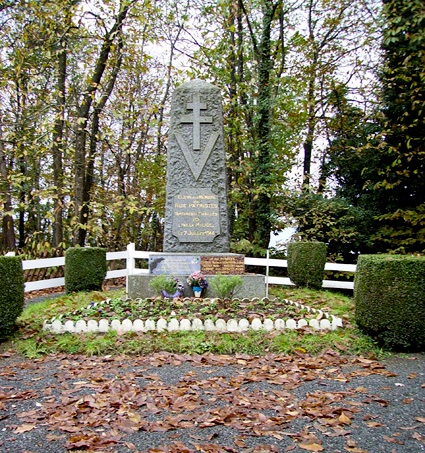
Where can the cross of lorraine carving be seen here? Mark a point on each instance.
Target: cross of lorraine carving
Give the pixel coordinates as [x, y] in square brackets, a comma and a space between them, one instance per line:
[196, 119]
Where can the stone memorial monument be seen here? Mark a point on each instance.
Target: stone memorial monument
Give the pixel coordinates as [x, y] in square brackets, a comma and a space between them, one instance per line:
[196, 218]
[196, 228]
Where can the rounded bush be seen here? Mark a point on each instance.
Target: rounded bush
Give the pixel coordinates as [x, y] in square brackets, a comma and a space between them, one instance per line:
[306, 263]
[389, 300]
[11, 293]
[85, 269]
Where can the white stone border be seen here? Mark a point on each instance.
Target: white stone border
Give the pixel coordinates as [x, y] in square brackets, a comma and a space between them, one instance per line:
[329, 322]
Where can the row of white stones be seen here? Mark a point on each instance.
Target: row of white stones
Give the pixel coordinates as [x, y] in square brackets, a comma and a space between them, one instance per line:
[174, 325]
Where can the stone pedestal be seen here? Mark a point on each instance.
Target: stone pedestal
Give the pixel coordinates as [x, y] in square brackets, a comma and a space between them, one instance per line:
[181, 265]
[253, 286]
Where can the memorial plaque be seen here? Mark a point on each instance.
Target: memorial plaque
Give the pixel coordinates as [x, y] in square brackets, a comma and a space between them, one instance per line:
[225, 265]
[196, 215]
[173, 264]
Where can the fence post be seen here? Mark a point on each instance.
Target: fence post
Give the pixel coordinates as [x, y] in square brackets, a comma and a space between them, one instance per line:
[267, 272]
[131, 264]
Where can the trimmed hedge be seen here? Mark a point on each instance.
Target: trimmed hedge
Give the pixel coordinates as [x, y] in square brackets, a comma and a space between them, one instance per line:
[306, 263]
[11, 293]
[85, 269]
[389, 297]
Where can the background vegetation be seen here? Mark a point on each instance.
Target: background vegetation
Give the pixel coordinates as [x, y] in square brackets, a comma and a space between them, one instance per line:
[323, 106]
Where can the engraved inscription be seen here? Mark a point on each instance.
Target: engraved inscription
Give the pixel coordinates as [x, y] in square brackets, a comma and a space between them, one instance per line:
[225, 265]
[196, 215]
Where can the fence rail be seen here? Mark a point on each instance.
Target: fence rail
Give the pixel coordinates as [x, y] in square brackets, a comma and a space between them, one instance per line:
[131, 255]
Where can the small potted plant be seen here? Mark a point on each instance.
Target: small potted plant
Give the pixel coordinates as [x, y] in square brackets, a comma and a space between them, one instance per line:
[197, 282]
[168, 286]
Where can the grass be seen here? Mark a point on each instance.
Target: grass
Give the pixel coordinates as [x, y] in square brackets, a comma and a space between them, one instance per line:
[33, 342]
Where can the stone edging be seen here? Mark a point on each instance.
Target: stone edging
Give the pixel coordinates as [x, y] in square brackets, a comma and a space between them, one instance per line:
[329, 322]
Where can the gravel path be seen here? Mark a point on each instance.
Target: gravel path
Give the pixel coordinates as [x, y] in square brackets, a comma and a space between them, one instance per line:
[212, 403]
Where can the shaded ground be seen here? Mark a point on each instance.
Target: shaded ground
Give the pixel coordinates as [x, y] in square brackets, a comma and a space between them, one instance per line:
[212, 403]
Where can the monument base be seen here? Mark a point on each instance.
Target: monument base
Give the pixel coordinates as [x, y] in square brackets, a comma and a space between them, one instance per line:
[253, 286]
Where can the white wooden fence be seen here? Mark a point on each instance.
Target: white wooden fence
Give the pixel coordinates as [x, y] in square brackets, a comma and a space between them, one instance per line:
[131, 255]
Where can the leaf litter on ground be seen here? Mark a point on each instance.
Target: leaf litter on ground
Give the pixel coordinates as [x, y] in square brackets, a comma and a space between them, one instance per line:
[212, 403]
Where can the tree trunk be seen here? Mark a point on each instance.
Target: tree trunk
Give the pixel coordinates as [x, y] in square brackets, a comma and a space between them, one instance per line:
[311, 126]
[58, 148]
[263, 157]
[8, 239]
[83, 166]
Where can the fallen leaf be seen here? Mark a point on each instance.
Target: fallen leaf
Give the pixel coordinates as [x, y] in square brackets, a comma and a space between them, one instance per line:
[420, 419]
[53, 437]
[408, 400]
[24, 428]
[311, 447]
[382, 402]
[374, 424]
[351, 443]
[417, 436]
[361, 390]
[392, 440]
[340, 346]
[343, 419]
[409, 428]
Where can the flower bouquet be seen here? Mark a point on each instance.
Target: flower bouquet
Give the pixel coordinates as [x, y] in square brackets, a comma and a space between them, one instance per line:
[198, 282]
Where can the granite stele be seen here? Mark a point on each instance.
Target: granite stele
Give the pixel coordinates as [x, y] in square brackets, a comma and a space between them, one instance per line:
[196, 228]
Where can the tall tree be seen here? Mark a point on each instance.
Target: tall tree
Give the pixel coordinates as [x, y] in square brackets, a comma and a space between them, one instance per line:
[96, 85]
[61, 32]
[250, 71]
[333, 50]
[402, 150]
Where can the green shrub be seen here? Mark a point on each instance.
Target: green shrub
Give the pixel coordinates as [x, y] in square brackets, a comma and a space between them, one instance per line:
[164, 283]
[11, 293]
[306, 263]
[225, 286]
[85, 269]
[389, 300]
